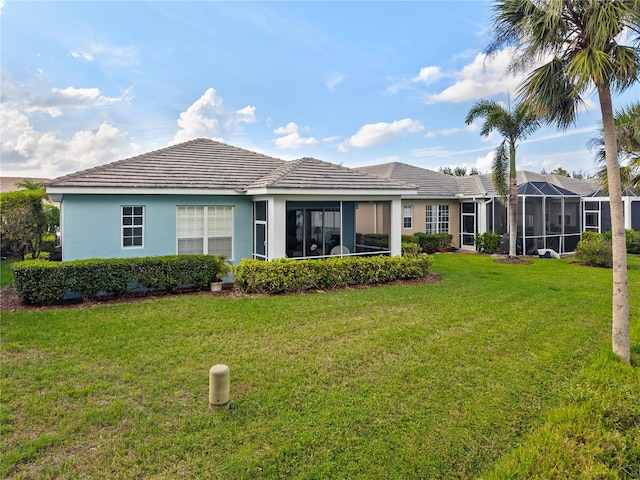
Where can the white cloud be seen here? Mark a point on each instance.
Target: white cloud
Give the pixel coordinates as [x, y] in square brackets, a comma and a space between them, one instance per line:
[26, 151]
[483, 77]
[29, 150]
[83, 55]
[112, 55]
[292, 138]
[377, 133]
[333, 81]
[428, 75]
[209, 117]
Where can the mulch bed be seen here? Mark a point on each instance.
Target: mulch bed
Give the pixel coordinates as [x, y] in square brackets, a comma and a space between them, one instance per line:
[9, 301]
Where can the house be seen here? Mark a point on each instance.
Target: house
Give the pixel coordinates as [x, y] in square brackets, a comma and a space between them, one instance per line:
[204, 196]
[553, 210]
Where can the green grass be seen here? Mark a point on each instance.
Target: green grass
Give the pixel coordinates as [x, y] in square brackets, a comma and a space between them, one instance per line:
[6, 274]
[464, 378]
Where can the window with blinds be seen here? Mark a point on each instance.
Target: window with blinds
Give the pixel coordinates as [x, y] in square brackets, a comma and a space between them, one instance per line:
[205, 229]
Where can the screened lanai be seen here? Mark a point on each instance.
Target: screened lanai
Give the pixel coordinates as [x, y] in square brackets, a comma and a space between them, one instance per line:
[548, 217]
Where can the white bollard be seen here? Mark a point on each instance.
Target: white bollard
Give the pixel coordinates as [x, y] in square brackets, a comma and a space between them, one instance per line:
[219, 386]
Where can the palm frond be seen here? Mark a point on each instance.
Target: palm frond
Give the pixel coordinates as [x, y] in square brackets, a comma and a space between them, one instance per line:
[500, 171]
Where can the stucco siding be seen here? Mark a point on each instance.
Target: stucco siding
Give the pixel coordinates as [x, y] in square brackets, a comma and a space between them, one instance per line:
[91, 224]
[419, 223]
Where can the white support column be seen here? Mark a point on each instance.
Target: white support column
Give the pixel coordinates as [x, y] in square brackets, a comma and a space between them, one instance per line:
[395, 240]
[276, 229]
[627, 212]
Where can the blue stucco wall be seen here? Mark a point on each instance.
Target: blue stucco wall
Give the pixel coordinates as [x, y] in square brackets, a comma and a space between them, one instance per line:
[91, 224]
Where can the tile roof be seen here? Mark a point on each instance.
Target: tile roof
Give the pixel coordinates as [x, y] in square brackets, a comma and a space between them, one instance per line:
[207, 164]
[312, 173]
[429, 183]
[200, 163]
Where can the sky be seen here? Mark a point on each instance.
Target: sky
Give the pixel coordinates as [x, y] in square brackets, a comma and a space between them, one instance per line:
[357, 83]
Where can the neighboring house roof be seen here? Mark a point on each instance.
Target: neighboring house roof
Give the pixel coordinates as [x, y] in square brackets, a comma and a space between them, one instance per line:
[434, 185]
[430, 184]
[544, 189]
[207, 165]
[9, 184]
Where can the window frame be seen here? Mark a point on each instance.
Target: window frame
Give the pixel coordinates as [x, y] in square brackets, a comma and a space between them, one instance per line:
[133, 216]
[437, 218]
[407, 220]
[205, 233]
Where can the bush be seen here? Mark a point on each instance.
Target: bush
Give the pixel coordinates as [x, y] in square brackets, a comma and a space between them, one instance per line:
[38, 282]
[487, 242]
[431, 243]
[287, 275]
[411, 249]
[632, 238]
[633, 241]
[594, 252]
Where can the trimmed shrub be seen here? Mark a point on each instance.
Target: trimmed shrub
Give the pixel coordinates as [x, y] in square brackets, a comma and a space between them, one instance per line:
[592, 236]
[633, 241]
[287, 275]
[594, 252]
[411, 249]
[431, 243]
[39, 282]
[487, 242]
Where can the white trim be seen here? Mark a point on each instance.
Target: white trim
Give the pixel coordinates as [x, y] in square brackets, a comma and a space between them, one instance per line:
[140, 191]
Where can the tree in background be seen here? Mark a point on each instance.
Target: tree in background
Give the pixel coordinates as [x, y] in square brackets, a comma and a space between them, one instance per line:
[627, 121]
[513, 127]
[459, 171]
[22, 221]
[577, 42]
[560, 171]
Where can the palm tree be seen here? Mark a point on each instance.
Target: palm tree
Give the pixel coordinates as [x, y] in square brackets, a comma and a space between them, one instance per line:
[512, 126]
[578, 44]
[627, 122]
[28, 184]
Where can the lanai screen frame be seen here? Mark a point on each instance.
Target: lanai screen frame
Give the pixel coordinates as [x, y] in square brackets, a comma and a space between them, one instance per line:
[549, 217]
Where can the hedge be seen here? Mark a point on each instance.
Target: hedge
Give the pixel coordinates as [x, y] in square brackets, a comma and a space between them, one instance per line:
[287, 275]
[39, 282]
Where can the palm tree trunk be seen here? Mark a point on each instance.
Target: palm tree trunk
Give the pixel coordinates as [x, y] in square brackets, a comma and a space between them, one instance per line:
[513, 201]
[620, 321]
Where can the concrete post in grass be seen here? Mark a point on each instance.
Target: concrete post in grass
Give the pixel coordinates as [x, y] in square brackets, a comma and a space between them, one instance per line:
[219, 386]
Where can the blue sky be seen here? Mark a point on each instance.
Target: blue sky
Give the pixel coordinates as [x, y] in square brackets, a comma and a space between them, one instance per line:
[354, 83]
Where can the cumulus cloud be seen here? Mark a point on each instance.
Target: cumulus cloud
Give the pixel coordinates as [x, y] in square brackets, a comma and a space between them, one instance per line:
[483, 77]
[292, 138]
[29, 150]
[209, 117]
[377, 133]
[428, 75]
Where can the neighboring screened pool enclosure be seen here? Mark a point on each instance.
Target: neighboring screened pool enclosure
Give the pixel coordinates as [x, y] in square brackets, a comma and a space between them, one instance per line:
[548, 217]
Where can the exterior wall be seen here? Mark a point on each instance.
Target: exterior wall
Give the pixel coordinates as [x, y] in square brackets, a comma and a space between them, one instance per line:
[91, 224]
[420, 217]
[373, 217]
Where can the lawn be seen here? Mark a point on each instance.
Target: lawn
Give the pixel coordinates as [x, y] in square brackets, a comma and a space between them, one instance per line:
[496, 371]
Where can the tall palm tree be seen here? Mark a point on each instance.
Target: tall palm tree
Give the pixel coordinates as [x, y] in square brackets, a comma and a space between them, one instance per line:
[627, 121]
[578, 44]
[512, 126]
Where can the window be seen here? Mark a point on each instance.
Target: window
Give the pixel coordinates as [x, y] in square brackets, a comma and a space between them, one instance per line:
[407, 220]
[132, 226]
[437, 219]
[205, 229]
